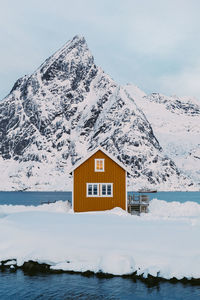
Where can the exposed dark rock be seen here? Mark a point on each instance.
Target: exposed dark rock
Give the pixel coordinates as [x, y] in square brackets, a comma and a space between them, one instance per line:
[31, 267]
[69, 105]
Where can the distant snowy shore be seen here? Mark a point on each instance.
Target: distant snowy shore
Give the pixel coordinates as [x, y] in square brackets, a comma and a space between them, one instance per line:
[164, 243]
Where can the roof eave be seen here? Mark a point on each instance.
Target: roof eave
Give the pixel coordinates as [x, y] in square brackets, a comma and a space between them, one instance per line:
[105, 152]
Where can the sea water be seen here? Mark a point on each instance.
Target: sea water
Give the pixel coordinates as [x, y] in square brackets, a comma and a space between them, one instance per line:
[37, 198]
[20, 286]
[33, 198]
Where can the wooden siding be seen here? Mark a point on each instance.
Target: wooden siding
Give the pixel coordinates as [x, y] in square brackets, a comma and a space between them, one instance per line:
[85, 173]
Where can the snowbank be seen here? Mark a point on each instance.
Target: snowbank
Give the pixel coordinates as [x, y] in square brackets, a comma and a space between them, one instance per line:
[174, 209]
[57, 207]
[163, 243]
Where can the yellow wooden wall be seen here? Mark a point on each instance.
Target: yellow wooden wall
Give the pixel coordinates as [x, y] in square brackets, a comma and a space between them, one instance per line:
[85, 173]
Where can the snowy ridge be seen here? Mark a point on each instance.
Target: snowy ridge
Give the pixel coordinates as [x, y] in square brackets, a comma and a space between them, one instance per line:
[65, 109]
[176, 124]
[56, 239]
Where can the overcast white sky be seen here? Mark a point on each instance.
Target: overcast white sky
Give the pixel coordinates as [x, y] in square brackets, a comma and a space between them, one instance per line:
[154, 44]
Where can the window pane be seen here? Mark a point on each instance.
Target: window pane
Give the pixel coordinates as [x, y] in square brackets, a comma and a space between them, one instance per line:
[95, 189]
[109, 189]
[89, 189]
[98, 165]
[103, 189]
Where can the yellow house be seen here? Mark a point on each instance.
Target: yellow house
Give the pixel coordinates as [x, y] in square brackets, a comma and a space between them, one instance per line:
[99, 182]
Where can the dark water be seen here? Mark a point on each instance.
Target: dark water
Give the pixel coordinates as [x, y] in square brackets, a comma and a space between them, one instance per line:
[33, 198]
[19, 286]
[36, 198]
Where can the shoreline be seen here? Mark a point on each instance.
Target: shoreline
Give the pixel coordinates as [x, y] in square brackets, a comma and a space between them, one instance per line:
[33, 268]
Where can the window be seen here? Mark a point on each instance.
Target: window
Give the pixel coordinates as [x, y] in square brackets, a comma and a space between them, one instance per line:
[99, 165]
[106, 189]
[99, 190]
[92, 189]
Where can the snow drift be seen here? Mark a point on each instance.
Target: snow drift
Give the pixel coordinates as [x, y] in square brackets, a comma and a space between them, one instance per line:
[163, 243]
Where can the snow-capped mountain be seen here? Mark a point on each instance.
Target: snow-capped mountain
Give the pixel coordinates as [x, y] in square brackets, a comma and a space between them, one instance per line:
[176, 124]
[65, 109]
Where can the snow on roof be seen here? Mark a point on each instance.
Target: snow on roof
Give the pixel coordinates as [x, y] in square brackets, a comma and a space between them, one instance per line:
[81, 161]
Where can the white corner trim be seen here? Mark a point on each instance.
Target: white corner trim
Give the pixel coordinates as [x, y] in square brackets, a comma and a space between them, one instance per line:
[126, 196]
[73, 190]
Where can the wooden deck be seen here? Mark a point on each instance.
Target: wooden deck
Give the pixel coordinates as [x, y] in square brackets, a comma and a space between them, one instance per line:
[138, 204]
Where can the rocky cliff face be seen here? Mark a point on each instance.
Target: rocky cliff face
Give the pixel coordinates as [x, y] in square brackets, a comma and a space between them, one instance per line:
[65, 109]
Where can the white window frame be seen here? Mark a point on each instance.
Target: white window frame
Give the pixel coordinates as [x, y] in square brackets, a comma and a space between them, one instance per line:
[106, 183]
[92, 183]
[95, 164]
[99, 190]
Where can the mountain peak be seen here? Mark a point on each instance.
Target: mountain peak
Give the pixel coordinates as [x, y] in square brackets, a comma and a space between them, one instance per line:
[79, 38]
[77, 41]
[70, 57]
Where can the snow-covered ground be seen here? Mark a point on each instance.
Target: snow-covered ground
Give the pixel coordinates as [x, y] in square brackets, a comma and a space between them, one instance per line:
[164, 242]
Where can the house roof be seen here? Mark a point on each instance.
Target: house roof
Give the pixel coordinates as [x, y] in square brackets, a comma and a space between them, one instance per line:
[81, 161]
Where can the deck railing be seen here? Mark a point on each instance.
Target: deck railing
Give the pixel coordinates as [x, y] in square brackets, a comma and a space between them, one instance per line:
[138, 204]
